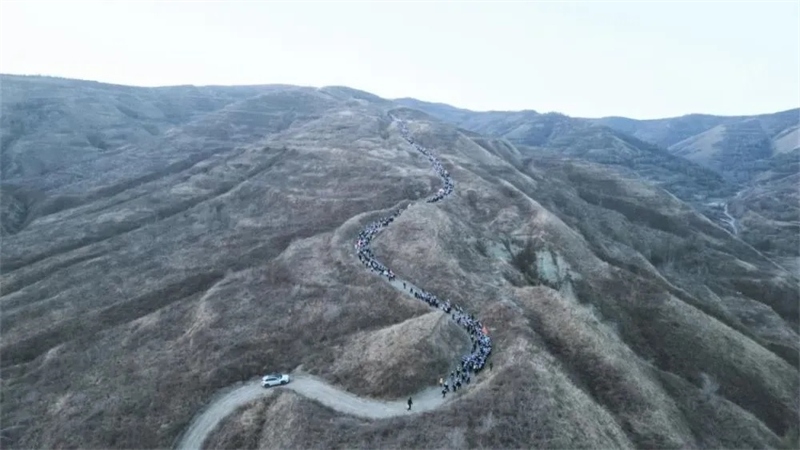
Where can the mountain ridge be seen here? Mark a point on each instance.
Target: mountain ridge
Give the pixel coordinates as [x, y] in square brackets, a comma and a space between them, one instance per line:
[748, 154]
[219, 247]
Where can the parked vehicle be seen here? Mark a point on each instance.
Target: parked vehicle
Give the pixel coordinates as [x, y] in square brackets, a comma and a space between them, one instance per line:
[274, 379]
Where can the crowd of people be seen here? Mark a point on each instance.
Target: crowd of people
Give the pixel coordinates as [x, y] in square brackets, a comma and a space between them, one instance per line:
[475, 360]
[445, 190]
[363, 250]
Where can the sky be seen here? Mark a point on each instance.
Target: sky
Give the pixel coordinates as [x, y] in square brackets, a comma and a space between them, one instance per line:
[641, 59]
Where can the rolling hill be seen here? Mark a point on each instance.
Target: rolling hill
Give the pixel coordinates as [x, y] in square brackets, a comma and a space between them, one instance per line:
[163, 244]
[760, 154]
[707, 161]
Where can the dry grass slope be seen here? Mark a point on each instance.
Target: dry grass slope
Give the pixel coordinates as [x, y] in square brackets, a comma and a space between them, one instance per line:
[629, 321]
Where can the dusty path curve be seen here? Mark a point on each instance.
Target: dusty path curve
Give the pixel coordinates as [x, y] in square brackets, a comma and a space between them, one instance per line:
[731, 220]
[229, 400]
[308, 386]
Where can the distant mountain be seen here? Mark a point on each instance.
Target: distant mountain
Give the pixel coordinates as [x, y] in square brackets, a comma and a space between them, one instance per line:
[702, 159]
[733, 146]
[670, 131]
[558, 134]
[759, 154]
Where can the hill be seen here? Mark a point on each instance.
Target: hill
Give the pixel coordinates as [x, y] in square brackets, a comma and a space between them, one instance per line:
[559, 135]
[707, 161]
[760, 154]
[139, 279]
[740, 148]
[672, 131]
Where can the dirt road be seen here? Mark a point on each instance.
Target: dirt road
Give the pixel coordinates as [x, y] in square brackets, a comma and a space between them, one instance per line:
[227, 401]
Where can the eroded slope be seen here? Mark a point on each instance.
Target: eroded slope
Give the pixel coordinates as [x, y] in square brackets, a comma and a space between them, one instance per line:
[620, 316]
[677, 361]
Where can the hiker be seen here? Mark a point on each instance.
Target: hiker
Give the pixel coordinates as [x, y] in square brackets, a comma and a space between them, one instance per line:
[490, 366]
[409, 403]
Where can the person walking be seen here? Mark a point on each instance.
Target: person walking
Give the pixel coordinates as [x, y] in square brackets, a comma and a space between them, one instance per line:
[409, 403]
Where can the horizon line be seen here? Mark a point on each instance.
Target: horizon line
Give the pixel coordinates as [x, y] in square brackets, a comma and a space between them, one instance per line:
[396, 99]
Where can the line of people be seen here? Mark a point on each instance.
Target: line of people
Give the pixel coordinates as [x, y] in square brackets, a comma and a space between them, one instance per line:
[445, 190]
[364, 251]
[475, 360]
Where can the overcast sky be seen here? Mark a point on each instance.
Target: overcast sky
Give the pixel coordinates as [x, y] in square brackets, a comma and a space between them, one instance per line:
[640, 60]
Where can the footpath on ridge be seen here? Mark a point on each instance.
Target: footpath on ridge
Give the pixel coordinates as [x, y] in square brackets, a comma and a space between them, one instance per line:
[472, 362]
[229, 400]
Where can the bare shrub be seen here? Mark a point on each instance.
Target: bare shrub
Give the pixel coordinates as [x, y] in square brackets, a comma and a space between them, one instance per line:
[524, 260]
[480, 246]
[508, 191]
[472, 199]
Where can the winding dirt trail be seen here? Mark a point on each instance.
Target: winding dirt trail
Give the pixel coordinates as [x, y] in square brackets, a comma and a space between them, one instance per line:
[228, 402]
[731, 220]
[230, 399]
